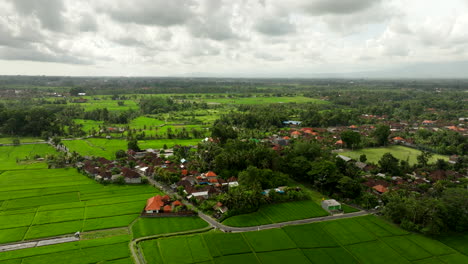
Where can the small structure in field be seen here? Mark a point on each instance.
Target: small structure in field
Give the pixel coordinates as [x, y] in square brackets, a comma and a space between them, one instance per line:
[331, 205]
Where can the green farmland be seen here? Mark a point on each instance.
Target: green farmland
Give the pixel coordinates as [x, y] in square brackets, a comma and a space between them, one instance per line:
[112, 250]
[22, 157]
[399, 152]
[364, 239]
[43, 203]
[261, 100]
[276, 213]
[156, 226]
[108, 147]
[106, 102]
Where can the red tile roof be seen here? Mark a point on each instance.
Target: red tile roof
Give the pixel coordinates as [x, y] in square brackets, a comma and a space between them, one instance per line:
[339, 142]
[211, 174]
[286, 138]
[380, 188]
[167, 209]
[398, 138]
[154, 203]
[176, 203]
[296, 133]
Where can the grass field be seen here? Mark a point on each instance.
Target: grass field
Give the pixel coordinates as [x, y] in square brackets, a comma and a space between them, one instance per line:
[11, 156]
[261, 100]
[108, 147]
[9, 140]
[43, 203]
[155, 226]
[105, 250]
[399, 152]
[106, 102]
[366, 239]
[276, 213]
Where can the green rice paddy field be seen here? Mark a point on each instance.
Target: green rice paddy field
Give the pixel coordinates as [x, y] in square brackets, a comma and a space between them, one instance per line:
[132, 103]
[44, 203]
[109, 250]
[107, 148]
[399, 152]
[366, 239]
[276, 213]
[24, 154]
[156, 226]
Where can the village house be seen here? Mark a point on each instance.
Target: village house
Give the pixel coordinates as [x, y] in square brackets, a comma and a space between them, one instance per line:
[161, 204]
[331, 205]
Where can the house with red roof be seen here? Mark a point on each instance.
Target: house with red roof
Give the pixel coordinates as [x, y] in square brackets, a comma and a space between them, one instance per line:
[398, 140]
[339, 143]
[154, 204]
[380, 188]
[296, 134]
[211, 174]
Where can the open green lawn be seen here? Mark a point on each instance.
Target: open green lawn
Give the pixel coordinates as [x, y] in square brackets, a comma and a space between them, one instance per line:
[107, 148]
[276, 213]
[155, 226]
[43, 203]
[23, 157]
[399, 152]
[365, 239]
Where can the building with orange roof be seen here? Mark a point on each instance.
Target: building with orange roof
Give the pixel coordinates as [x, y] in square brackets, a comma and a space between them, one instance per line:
[380, 188]
[167, 209]
[211, 174]
[398, 140]
[339, 142]
[176, 203]
[154, 204]
[295, 134]
[286, 138]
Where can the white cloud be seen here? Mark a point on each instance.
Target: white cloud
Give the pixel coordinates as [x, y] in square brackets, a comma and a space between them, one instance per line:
[291, 37]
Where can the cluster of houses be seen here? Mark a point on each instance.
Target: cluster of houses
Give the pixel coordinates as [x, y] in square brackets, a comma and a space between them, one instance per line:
[201, 186]
[133, 169]
[331, 136]
[381, 183]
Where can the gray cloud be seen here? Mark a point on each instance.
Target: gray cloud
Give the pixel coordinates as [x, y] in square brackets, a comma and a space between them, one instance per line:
[148, 12]
[322, 7]
[275, 26]
[267, 56]
[34, 54]
[212, 21]
[88, 23]
[49, 12]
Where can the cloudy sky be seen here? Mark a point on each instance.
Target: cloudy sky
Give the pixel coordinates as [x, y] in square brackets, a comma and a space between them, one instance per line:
[265, 38]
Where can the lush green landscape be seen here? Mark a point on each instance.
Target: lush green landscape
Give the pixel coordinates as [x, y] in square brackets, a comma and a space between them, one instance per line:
[399, 152]
[24, 156]
[277, 213]
[365, 239]
[156, 226]
[112, 250]
[39, 203]
[107, 148]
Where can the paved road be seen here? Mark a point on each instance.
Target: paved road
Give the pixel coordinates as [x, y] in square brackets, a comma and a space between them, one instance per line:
[225, 228]
[38, 243]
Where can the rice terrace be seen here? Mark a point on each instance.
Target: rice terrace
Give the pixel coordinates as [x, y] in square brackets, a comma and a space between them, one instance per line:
[233, 132]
